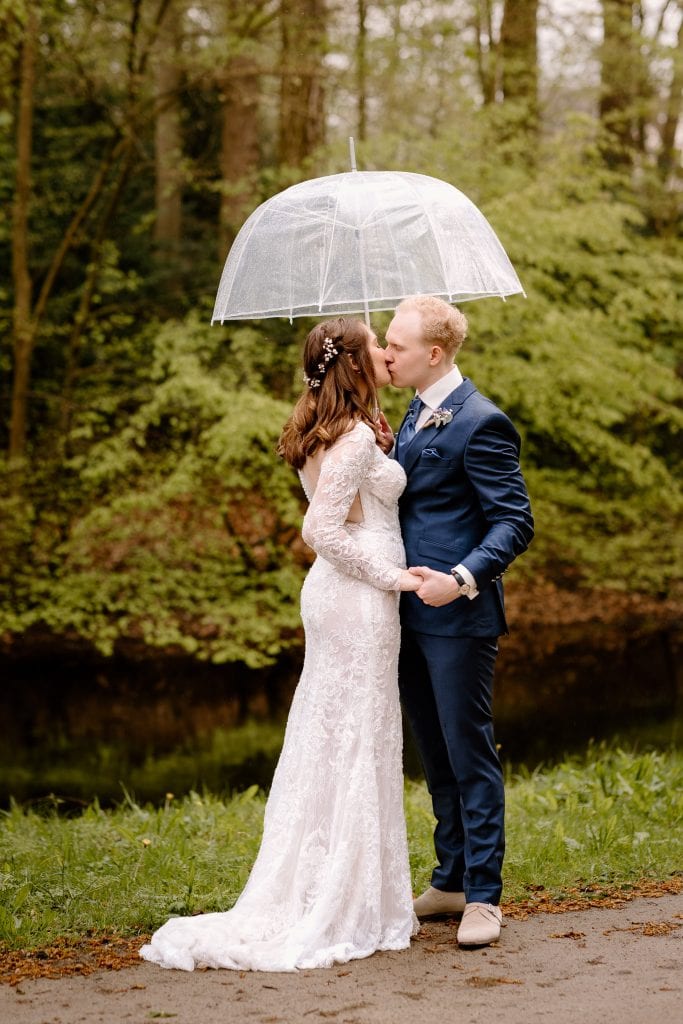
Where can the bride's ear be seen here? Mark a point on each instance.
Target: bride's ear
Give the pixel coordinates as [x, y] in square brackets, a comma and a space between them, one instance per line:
[354, 364]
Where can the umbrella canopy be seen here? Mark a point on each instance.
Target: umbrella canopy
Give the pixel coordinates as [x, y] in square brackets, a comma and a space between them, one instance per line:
[361, 241]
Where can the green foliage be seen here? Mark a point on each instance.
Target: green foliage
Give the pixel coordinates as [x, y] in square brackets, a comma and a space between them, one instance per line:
[123, 871]
[610, 819]
[182, 537]
[154, 509]
[168, 519]
[586, 369]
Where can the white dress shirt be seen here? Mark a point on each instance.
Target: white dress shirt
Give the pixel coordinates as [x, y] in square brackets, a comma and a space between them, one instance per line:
[432, 397]
[437, 393]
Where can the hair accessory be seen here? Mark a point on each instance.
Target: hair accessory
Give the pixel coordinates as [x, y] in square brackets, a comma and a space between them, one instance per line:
[330, 350]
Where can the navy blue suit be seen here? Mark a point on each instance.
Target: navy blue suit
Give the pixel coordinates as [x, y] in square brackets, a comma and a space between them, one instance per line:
[465, 502]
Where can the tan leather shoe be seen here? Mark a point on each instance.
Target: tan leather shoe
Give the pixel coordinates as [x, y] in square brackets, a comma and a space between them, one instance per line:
[437, 903]
[480, 925]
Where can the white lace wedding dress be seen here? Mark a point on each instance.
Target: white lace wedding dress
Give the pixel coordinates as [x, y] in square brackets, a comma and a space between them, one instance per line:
[331, 882]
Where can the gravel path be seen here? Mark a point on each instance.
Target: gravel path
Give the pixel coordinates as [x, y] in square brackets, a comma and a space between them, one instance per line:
[596, 966]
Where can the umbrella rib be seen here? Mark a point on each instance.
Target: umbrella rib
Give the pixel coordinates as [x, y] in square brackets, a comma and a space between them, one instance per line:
[306, 215]
[260, 211]
[434, 235]
[395, 249]
[326, 270]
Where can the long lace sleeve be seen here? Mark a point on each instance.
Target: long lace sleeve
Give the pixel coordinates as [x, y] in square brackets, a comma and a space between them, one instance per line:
[344, 468]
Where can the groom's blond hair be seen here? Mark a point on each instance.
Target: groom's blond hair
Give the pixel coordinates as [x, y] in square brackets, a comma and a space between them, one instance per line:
[442, 325]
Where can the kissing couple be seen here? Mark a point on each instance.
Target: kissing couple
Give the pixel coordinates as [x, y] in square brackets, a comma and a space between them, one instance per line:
[331, 882]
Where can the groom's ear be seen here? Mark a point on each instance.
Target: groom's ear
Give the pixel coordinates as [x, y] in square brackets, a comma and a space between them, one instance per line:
[435, 355]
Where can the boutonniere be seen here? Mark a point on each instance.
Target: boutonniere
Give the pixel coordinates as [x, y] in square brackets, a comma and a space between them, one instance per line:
[439, 418]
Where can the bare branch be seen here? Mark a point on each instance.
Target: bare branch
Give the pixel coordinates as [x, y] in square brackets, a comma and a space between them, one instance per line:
[74, 226]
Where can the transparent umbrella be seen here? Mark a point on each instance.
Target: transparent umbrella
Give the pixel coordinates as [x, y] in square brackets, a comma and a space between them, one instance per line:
[359, 242]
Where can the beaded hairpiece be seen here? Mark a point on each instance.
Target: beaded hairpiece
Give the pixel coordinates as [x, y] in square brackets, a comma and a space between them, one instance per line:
[329, 352]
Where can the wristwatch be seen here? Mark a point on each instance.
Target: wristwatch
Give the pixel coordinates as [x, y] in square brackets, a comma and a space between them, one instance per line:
[460, 580]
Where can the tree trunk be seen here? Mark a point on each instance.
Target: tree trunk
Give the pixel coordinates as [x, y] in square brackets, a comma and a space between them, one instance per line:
[520, 58]
[22, 325]
[239, 155]
[619, 62]
[167, 138]
[487, 50]
[668, 159]
[361, 70]
[302, 105]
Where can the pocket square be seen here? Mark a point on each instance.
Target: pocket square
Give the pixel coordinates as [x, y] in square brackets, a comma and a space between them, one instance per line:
[431, 453]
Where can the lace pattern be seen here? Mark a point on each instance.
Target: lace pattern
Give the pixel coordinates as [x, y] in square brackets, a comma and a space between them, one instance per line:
[331, 882]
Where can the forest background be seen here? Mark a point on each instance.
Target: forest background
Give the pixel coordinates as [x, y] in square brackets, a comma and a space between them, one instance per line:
[140, 496]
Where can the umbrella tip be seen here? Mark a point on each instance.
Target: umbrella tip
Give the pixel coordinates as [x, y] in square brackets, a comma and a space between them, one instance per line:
[352, 153]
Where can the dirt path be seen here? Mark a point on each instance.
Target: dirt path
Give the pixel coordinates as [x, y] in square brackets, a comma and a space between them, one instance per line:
[613, 966]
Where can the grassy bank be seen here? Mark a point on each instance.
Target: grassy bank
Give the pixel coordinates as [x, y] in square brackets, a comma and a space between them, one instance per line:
[610, 818]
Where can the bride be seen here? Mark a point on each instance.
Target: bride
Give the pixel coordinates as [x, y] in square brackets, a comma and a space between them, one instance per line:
[331, 882]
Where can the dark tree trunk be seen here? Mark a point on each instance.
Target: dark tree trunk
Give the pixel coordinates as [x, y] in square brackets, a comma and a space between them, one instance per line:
[619, 57]
[23, 329]
[518, 40]
[239, 155]
[302, 107]
[487, 50]
[361, 69]
[167, 137]
[669, 156]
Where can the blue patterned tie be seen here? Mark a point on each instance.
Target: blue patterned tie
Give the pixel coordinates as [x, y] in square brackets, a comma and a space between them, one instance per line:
[407, 432]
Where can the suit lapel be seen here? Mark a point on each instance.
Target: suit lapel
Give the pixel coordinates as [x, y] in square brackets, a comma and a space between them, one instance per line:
[423, 437]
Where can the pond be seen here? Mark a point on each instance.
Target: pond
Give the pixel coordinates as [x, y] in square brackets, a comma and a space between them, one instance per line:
[78, 726]
[68, 773]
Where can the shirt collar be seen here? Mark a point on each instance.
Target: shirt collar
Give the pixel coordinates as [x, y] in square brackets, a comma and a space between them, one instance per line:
[439, 391]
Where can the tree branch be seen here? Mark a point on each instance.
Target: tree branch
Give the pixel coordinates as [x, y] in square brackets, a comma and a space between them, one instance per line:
[74, 225]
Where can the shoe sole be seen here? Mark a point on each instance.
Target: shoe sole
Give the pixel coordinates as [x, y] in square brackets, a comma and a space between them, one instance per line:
[439, 917]
[477, 945]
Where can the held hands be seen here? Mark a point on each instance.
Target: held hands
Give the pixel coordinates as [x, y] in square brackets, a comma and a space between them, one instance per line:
[410, 579]
[434, 588]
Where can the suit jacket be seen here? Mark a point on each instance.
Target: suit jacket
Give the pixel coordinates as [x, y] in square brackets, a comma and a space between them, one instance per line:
[465, 502]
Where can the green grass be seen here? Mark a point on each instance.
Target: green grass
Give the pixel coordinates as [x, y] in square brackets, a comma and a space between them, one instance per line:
[610, 818]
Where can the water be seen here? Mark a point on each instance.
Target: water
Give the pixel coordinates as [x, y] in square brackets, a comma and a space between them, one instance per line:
[78, 726]
[68, 775]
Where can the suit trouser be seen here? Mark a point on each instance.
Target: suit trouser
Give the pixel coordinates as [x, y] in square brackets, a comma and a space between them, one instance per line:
[446, 686]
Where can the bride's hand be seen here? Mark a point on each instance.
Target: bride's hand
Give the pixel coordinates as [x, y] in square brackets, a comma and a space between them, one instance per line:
[386, 438]
[410, 580]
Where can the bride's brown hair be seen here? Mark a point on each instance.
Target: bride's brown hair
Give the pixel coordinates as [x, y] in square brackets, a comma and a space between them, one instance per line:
[337, 396]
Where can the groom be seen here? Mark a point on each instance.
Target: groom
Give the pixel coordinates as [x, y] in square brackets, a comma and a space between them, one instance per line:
[465, 516]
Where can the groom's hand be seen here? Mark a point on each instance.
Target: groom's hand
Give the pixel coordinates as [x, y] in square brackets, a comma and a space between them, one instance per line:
[438, 588]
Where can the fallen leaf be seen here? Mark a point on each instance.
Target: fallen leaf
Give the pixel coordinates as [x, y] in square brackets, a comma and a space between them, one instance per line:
[478, 982]
[663, 928]
[646, 928]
